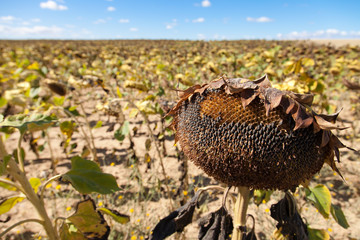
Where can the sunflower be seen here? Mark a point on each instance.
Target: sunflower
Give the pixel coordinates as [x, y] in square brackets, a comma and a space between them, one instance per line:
[246, 133]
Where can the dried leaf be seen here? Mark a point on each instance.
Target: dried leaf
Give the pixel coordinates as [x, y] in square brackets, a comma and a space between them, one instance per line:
[189, 91]
[56, 86]
[217, 83]
[302, 118]
[330, 117]
[302, 98]
[327, 122]
[88, 221]
[288, 104]
[247, 96]
[273, 98]
[289, 220]
[236, 85]
[325, 138]
[69, 232]
[176, 220]
[216, 225]
[330, 161]
[263, 81]
[351, 85]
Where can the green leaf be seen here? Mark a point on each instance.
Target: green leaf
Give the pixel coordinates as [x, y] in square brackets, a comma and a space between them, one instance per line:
[9, 203]
[339, 216]
[73, 111]
[159, 109]
[59, 101]
[98, 124]
[35, 183]
[321, 197]
[3, 101]
[15, 154]
[318, 234]
[23, 122]
[261, 196]
[160, 92]
[86, 177]
[3, 163]
[88, 221]
[122, 132]
[118, 217]
[67, 128]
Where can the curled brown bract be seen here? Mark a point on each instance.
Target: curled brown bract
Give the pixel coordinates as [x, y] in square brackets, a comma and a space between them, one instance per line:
[298, 106]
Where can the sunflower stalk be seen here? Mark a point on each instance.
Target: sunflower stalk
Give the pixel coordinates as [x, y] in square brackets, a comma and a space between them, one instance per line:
[20, 176]
[239, 220]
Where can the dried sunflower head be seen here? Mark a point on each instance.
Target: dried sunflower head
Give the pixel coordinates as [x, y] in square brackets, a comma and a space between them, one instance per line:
[56, 87]
[246, 133]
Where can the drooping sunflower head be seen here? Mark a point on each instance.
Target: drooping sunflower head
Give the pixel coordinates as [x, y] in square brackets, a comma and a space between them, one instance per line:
[246, 133]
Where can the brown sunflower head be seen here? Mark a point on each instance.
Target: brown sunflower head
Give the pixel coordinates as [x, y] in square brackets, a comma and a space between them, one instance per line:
[246, 133]
[56, 87]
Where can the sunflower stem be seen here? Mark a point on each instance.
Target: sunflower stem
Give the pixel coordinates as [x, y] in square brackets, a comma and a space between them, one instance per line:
[241, 205]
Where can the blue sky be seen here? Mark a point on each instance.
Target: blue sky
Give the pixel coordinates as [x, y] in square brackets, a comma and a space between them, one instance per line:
[179, 19]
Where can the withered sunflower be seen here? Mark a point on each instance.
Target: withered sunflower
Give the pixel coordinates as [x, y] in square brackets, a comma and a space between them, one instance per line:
[246, 133]
[56, 87]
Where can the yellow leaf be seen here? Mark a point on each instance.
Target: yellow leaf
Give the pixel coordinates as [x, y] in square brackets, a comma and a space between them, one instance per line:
[7, 204]
[34, 66]
[307, 62]
[133, 113]
[118, 92]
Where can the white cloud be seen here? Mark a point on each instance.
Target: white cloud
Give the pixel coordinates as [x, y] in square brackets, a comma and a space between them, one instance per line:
[111, 9]
[198, 20]
[206, 3]
[201, 36]
[332, 31]
[7, 19]
[69, 26]
[124, 21]
[52, 5]
[260, 19]
[99, 21]
[218, 37]
[327, 33]
[44, 31]
[133, 29]
[172, 24]
[36, 20]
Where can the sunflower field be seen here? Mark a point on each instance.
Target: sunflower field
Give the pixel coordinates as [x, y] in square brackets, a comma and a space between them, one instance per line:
[86, 151]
